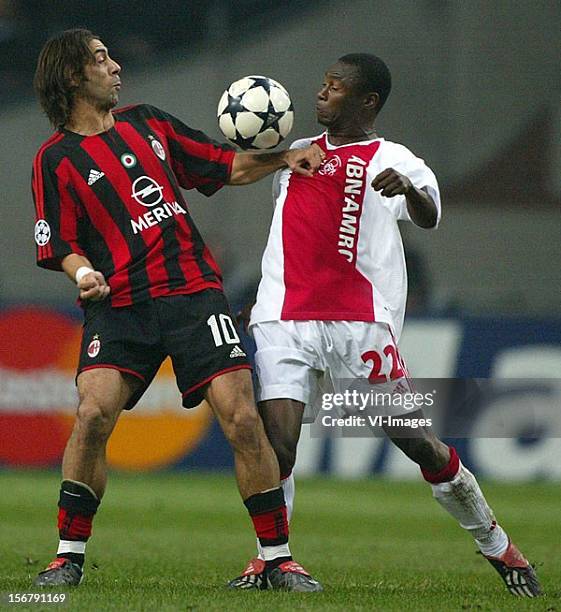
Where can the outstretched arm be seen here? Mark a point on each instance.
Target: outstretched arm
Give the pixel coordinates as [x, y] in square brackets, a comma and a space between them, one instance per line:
[420, 205]
[250, 167]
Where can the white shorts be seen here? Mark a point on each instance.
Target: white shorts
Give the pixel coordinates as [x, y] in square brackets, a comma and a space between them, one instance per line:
[299, 359]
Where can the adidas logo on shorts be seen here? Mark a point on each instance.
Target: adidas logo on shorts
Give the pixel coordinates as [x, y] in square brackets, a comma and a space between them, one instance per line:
[237, 352]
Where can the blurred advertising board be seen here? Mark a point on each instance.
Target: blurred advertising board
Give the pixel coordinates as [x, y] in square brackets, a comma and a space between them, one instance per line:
[516, 360]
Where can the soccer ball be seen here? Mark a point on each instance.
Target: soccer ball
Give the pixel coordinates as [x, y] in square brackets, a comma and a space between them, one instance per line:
[255, 113]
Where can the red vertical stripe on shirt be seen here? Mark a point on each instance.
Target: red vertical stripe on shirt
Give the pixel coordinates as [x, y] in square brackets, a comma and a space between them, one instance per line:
[207, 256]
[68, 228]
[339, 289]
[38, 172]
[186, 259]
[119, 249]
[45, 251]
[152, 166]
[203, 150]
[116, 174]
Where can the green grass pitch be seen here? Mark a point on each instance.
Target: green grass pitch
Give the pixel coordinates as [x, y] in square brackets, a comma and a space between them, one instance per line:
[171, 541]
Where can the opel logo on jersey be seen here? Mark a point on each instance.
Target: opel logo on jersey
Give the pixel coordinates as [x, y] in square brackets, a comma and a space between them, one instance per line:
[158, 148]
[330, 166]
[42, 232]
[146, 191]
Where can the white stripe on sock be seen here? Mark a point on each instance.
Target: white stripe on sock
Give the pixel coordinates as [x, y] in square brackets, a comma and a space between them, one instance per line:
[69, 546]
[273, 552]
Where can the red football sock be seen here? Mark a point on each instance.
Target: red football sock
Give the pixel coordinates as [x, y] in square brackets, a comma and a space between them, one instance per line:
[447, 473]
[77, 507]
[268, 513]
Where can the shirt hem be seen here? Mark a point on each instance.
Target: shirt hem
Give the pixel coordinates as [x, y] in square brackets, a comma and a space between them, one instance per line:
[323, 316]
[117, 303]
[308, 315]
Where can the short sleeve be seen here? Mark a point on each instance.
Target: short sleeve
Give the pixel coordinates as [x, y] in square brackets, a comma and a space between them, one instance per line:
[199, 162]
[422, 177]
[302, 143]
[56, 216]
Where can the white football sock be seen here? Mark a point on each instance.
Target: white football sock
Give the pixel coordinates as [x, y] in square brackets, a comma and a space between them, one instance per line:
[288, 488]
[463, 499]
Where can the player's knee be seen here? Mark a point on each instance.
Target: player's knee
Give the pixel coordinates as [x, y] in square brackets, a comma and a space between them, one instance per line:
[95, 424]
[242, 429]
[285, 450]
[286, 457]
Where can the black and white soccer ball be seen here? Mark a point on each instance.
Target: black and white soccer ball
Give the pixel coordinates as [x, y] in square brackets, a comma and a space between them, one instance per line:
[255, 113]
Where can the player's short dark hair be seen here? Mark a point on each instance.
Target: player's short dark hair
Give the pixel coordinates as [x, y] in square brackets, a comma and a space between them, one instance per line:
[373, 75]
[61, 60]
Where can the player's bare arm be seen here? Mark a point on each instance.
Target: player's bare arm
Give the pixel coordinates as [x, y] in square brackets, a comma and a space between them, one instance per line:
[421, 206]
[250, 167]
[92, 284]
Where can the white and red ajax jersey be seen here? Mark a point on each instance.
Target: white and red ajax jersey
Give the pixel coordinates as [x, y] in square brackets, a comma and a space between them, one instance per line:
[334, 250]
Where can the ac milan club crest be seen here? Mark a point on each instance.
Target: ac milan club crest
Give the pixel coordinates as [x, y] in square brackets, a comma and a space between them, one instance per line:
[94, 347]
[158, 148]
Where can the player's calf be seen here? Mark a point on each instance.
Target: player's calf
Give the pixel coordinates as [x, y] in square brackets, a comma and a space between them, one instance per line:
[425, 449]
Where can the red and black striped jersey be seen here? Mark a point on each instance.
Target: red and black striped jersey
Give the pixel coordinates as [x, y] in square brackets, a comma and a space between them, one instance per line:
[115, 198]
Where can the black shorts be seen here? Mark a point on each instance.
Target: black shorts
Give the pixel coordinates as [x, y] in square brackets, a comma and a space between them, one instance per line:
[197, 331]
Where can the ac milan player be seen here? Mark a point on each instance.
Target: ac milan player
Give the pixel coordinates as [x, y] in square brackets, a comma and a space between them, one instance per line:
[111, 215]
[331, 303]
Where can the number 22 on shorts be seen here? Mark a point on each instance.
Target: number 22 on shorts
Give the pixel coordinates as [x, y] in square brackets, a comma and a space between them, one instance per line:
[376, 375]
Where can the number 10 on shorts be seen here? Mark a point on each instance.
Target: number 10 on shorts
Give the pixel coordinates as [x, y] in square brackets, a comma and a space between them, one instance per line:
[223, 330]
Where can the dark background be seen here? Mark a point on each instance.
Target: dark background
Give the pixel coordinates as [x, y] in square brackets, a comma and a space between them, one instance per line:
[476, 94]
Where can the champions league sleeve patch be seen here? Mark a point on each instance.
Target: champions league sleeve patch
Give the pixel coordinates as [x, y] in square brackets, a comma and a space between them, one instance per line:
[42, 232]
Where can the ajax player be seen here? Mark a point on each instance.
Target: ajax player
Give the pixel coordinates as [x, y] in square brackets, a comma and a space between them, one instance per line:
[331, 302]
[112, 216]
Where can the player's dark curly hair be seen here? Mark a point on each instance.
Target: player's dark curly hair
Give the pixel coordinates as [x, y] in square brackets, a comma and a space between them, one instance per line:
[374, 75]
[61, 61]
